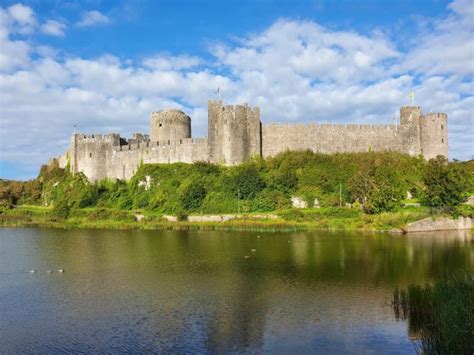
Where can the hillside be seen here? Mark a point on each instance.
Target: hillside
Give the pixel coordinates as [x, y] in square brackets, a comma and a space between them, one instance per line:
[364, 183]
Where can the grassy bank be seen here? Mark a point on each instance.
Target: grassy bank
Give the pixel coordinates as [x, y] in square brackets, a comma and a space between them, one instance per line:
[286, 220]
[347, 191]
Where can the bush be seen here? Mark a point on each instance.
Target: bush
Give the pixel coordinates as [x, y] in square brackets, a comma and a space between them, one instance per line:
[62, 210]
[446, 184]
[247, 182]
[182, 216]
[192, 197]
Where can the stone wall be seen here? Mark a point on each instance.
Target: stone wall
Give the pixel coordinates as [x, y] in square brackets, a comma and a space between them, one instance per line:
[328, 138]
[100, 158]
[235, 134]
[439, 224]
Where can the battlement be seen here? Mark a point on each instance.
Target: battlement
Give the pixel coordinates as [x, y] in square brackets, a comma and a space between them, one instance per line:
[146, 144]
[434, 115]
[98, 137]
[233, 109]
[331, 126]
[236, 134]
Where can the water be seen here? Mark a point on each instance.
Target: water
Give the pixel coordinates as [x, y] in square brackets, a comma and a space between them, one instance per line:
[188, 292]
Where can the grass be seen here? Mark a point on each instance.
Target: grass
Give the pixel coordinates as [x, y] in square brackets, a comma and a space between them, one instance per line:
[288, 220]
[440, 315]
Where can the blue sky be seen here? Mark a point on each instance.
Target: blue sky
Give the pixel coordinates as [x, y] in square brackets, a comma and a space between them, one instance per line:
[104, 65]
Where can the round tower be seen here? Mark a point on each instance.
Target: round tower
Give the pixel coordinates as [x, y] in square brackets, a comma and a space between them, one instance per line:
[169, 125]
[434, 135]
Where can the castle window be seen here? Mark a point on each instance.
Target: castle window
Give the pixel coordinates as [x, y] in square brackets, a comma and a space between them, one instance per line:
[442, 140]
[442, 126]
[90, 155]
[160, 125]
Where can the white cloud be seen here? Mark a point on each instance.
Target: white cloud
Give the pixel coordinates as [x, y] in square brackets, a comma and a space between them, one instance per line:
[53, 28]
[294, 70]
[92, 18]
[163, 62]
[23, 16]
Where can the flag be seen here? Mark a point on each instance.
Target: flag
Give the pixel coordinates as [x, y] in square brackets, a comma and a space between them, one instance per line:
[412, 95]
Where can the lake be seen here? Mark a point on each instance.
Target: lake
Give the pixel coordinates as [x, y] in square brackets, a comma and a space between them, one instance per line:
[214, 292]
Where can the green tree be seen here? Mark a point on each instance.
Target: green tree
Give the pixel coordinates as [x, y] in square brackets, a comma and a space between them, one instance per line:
[379, 189]
[446, 184]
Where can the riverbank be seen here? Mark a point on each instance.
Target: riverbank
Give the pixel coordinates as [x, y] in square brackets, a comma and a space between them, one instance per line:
[288, 220]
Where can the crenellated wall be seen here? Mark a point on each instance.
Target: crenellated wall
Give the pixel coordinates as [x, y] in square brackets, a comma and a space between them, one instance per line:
[98, 157]
[329, 138]
[236, 134]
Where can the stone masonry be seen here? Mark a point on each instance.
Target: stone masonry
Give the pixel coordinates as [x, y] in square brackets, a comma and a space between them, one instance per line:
[235, 133]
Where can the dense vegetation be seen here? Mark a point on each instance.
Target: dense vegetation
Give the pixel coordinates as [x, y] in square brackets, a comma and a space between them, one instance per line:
[440, 315]
[370, 182]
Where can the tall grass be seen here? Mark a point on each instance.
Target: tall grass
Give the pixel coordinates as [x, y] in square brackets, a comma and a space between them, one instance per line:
[441, 315]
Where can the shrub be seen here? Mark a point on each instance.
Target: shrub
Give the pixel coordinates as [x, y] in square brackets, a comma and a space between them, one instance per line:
[247, 182]
[62, 210]
[284, 181]
[192, 197]
[182, 216]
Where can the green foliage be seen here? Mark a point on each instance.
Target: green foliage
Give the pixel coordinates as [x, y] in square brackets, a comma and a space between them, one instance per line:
[192, 197]
[182, 216]
[284, 181]
[376, 181]
[446, 184]
[442, 314]
[247, 182]
[379, 189]
[62, 209]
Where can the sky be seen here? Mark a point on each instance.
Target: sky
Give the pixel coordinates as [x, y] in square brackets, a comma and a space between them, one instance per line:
[104, 66]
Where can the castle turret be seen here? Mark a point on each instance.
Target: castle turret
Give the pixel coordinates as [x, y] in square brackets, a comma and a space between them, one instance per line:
[234, 132]
[434, 135]
[410, 129]
[169, 125]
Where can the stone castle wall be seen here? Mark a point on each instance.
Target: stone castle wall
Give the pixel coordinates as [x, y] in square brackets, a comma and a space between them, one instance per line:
[99, 158]
[235, 134]
[329, 138]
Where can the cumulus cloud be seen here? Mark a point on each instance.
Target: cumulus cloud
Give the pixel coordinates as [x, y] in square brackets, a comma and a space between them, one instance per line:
[92, 18]
[53, 28]
[22, 17]
[294, 70]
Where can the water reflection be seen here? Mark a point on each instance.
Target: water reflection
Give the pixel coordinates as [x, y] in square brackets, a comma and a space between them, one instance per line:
[195, 291]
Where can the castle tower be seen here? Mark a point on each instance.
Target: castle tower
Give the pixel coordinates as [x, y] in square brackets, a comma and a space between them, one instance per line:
[169, 125]
[234, 133]
[410, 129]
[434, 135]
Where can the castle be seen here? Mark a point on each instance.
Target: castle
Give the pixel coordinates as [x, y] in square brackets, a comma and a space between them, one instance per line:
[235, 133]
